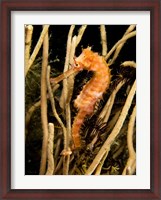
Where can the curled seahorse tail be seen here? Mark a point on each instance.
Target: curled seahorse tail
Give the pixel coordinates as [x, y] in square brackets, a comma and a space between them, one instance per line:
[78, 121]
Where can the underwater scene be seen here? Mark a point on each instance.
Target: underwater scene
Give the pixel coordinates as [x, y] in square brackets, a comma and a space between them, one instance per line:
[80, 99]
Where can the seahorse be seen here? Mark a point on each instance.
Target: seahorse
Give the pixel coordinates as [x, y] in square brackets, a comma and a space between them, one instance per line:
[92, 91]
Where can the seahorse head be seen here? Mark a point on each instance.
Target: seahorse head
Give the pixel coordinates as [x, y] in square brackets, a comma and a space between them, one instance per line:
[85, 59]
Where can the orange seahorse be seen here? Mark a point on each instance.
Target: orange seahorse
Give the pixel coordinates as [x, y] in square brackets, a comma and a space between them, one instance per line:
[92, 91]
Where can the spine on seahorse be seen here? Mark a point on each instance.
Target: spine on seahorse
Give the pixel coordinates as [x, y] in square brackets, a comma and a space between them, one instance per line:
[92, 91]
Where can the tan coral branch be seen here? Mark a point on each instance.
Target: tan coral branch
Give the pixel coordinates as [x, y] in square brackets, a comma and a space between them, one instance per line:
[28, 40]
[103, 40]
[125, 38]
[131, 163]
[119, 47]
[44, 118]
[50, 168]
[37, 48]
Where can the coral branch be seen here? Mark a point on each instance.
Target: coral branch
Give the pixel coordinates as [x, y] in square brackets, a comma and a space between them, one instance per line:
[50, 168]
[37, 48]
[57, 150]
[129, 64]
[100, 165]
[70, 82]
[103, 40]
[64, 94]
[131, 163]
[126, 37]
[70, 79]
[119, 47]
[44, 118]
[28, 40]
[80, 33]
[57, 168]
[66, 160]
